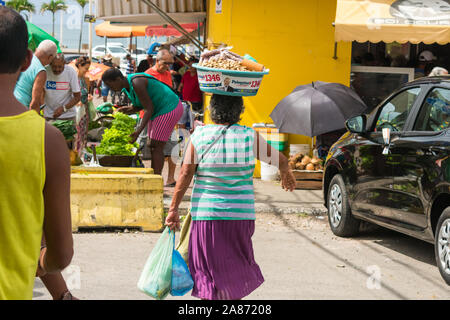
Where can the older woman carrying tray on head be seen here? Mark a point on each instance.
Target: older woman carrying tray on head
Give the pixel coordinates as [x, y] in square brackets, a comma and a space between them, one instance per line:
[221, 258]
[162, 108]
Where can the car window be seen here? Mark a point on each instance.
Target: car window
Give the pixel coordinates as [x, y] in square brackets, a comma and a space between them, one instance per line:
[435, 112]
[100, 49]
[394, 113]
[117, 50]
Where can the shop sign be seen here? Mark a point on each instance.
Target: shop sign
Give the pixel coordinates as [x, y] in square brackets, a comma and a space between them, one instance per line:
[219, 6]
[411, 13]
[89, 18]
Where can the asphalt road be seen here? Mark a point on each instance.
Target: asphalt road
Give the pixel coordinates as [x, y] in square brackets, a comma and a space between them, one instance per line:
[299, 257]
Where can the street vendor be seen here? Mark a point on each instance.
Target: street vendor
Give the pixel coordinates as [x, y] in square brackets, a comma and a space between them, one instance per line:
[30, 86]
[62, 91]
[162, 108]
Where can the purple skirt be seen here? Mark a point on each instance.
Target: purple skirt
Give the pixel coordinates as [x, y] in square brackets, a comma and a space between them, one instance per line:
[221, 259]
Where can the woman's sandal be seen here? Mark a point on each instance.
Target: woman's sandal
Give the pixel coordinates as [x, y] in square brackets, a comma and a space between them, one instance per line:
[67, 296]
[170, 185]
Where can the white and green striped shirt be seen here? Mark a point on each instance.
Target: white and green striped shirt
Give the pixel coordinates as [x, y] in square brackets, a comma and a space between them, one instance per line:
[223, 184]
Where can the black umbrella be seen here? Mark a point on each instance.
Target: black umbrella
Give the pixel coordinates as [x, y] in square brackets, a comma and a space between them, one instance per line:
[317, 108]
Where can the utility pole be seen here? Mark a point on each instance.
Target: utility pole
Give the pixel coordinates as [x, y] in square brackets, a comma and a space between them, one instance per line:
[90, 30]
[61, 22]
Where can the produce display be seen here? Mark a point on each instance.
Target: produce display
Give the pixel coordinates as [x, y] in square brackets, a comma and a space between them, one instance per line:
[116, 140]
[224, 59]
[300, 161]
[67, 127]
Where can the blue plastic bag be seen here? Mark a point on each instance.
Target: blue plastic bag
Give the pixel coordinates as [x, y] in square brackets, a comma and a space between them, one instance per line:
[182, 281]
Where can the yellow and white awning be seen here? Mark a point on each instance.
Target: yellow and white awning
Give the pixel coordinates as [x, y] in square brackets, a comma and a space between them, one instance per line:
[400, 21]
[136, 12]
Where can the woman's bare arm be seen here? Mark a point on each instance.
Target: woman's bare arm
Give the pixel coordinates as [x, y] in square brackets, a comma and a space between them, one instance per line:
[184, 180]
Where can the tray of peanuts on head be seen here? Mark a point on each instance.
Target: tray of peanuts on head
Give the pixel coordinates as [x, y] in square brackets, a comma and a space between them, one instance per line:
[222, 71]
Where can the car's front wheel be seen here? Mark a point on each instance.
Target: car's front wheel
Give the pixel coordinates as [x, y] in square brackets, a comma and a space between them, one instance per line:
[340, 218]
[442, 245]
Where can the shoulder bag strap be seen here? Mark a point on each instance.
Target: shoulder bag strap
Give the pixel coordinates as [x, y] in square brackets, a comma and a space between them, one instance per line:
[211, 145]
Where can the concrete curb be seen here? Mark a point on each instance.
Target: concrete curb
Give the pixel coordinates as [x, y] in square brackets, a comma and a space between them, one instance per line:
[315, 209]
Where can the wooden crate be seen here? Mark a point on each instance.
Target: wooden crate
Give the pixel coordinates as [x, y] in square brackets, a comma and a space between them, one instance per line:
[307, 179]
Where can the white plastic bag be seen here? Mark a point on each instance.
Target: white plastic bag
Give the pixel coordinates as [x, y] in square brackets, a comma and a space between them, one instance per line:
[156, 277]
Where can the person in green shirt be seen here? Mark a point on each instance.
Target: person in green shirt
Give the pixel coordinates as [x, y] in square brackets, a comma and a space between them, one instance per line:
[162, 108]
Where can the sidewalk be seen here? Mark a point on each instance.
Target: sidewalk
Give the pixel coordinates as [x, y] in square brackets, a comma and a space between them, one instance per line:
[269, 198]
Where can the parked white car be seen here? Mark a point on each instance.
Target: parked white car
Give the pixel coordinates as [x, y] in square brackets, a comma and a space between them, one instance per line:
[139, 54]
[115, 51]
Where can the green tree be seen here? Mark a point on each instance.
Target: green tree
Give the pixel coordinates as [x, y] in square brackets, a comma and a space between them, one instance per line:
[54, 6]
[82, 4]
[22, 5]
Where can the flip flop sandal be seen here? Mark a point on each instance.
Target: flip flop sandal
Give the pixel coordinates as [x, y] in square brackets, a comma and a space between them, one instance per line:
[68, 296]
[170, 185]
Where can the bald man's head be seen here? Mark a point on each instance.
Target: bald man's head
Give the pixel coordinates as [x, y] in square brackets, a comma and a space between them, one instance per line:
[164, 59]
[46, 52]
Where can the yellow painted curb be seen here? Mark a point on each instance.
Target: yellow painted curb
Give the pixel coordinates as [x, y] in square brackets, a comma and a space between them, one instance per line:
[111, 170]
[117, 200]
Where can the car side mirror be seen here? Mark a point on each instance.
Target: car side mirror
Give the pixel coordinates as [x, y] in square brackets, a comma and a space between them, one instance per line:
[357, 124]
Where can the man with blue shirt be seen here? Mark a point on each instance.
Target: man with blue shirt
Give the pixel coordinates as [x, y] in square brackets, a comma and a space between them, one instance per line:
[29, 89]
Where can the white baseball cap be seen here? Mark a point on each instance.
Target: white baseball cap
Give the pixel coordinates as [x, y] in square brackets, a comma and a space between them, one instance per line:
[427, 56]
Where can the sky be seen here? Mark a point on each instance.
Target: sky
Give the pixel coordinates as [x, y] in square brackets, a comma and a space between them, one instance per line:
[72, 16]
[72, 20]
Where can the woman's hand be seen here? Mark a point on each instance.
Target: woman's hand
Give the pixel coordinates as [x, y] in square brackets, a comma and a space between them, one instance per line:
[126, 109]
[134, 136]
[173, 220]
[90, 97]
[288, 182]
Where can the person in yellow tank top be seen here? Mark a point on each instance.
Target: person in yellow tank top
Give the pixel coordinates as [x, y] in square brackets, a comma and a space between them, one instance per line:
[35, 185]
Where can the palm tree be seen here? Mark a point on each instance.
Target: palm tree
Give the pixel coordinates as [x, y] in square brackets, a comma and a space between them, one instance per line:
[54, 6]
[82, 4]
[22, 5]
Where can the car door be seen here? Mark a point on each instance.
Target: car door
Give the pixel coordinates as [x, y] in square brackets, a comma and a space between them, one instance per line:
[372, 192]
[98, 51]
[416, 172]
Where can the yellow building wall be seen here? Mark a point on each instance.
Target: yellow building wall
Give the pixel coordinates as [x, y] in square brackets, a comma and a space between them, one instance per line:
[293, 38]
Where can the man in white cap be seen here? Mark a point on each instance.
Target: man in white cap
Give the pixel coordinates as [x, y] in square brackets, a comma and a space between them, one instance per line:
[104, 89]
[29, 89]
[426, 59]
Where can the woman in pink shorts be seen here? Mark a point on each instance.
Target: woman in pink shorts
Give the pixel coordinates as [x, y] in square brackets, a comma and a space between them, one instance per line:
[162, 108]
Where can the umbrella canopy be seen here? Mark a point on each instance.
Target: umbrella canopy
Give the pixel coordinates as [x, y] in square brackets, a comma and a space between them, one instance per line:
[168, 30]
[106, 29]
[95, 71]
[317, 108]
[36, 35]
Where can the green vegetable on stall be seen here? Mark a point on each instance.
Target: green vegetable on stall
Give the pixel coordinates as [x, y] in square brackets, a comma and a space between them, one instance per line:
[115, 141]
[67, 127]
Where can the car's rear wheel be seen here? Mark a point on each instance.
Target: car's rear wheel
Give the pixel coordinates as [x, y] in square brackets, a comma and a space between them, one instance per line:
[442, 245]
[340, 218]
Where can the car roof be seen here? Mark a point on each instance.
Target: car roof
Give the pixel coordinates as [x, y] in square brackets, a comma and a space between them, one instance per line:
[425, 80]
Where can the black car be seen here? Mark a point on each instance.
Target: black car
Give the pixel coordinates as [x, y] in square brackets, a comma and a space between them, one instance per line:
[400, 181]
